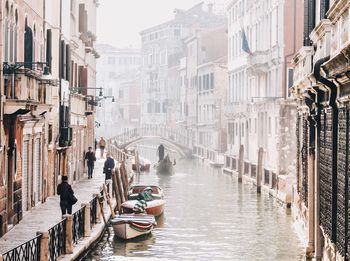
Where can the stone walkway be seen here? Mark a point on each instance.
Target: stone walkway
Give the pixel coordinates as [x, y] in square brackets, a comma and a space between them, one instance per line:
[46, 215]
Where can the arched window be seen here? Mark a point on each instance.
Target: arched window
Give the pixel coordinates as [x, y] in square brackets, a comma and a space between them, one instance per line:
[28, 46]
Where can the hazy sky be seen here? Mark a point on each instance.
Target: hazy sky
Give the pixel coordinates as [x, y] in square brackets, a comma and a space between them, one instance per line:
[120, 21]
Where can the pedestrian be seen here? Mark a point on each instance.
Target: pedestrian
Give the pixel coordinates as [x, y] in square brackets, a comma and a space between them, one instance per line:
[102, 145]
[90, 161]
[67, 198]
[108, 167]
[95, 144]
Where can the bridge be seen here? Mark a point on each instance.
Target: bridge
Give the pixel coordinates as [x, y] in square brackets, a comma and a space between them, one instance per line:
[179, 140]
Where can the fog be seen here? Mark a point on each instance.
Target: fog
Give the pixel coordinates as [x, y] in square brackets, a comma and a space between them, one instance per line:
[119, 22]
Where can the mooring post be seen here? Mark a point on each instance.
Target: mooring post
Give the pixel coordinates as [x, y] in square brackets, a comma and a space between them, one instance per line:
[69, 234]
[98, 209]
[87, 227]
[44, 246]
[241, 163]
[259, 170]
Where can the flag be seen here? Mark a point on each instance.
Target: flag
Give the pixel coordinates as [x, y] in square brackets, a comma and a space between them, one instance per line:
[245, 44]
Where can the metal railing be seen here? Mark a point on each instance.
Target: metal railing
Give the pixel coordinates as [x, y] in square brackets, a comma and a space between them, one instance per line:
[57, 240]
[28, 251]
[93, 211]
[78, 225]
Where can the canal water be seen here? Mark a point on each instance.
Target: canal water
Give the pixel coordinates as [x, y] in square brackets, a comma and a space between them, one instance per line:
[208, 216]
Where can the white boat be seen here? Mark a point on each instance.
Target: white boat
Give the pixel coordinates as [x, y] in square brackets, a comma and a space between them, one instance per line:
[128, 226]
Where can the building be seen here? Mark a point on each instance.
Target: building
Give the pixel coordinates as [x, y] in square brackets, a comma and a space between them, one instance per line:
[321, 86]
[119, 78]
[205, 94]
[37, 109]
[263, 36]
[162, 49]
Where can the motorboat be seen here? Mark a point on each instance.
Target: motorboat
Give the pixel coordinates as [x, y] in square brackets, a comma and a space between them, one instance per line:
[154, 207]
[128, 226]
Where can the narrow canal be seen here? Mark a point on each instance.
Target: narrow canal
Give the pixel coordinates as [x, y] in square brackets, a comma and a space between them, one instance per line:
[208, 216]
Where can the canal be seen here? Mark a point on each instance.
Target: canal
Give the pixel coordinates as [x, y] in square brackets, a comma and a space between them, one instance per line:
[208, 216]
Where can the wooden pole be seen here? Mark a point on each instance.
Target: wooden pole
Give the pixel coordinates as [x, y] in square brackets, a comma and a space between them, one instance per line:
[102, 212]
[241, 163]
[115, 189]
[124, 177]
[108, 200]
[120, 186]
[259, 170]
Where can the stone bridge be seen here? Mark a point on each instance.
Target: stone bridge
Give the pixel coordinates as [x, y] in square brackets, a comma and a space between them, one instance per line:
[179, 140]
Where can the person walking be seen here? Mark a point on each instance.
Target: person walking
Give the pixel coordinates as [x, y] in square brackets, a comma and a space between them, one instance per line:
[90, 162]
[67, 198]
[102, 145]
[108, 167]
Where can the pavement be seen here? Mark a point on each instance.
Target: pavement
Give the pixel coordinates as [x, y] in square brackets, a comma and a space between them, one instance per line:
[48, 214]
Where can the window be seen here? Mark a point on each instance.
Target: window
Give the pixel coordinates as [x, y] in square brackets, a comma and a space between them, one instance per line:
[290, 77]
[28, 47]
[149, 107]
[177, 32]
[111, 74]
[111, 60]
[164, 107]
[157, 109]
[269, 125]
[49, 48]
[121, 94]
[212, 80]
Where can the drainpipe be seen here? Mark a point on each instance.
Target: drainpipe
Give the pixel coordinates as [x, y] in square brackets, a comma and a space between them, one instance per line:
[332, 103]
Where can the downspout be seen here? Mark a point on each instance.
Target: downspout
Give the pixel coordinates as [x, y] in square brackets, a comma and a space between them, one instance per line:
[332, 103]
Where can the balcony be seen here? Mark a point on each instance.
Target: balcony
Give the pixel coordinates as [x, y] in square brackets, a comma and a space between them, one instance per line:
[302, 67]
[236, 109]
[26, 88]
[258, 63]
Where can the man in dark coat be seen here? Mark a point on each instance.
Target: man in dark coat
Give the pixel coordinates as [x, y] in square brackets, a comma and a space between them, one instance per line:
[90, 162]
[108, 166]
[66, 193]
[161, 152]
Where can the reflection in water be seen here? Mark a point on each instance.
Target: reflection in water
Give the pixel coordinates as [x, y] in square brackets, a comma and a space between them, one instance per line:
[208, 216]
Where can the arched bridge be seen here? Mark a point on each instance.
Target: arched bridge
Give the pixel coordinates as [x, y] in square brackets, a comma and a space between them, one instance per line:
[179, 140]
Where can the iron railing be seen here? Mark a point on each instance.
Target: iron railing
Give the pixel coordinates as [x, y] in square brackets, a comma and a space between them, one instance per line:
[28, 251]
[93, 210]
[57, 240]
[78, 225]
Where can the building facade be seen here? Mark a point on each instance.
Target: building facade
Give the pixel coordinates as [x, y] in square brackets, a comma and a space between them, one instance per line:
[119, 77]
[321, 86]
[205, 93]
[35, 106]
[263, 36]
[162, 49]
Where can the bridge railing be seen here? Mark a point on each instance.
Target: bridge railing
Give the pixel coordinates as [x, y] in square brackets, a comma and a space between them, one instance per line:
[180, 136]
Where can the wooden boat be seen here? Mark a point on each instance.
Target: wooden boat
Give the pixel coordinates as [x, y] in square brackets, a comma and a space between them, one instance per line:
[145, 165]
[128, 226]
[165, 166]
[154, 207]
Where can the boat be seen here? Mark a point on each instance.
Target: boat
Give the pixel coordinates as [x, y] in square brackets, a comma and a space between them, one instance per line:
[165, 166]
[154, 207]
[128, 226]
[145, 165]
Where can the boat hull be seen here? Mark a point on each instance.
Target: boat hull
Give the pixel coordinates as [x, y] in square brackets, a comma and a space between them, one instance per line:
[133, 226]
[165, 167]
[154, 207]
